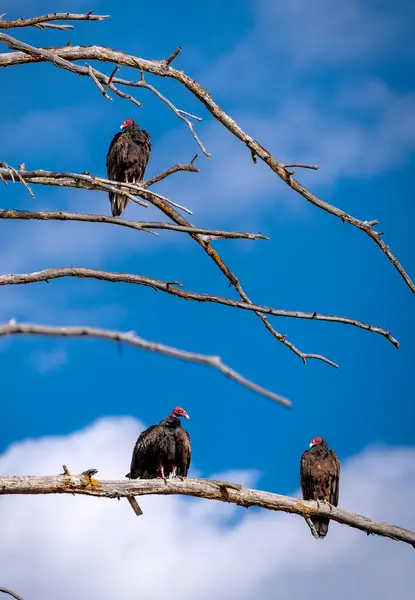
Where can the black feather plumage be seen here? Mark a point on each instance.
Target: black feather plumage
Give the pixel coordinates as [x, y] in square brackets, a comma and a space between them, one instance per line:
[127, 159]
[320, 475]
[162, 450]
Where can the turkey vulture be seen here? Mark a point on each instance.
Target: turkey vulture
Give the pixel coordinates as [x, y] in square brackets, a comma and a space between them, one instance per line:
[162, 450]
[127, 159]
[319, 474]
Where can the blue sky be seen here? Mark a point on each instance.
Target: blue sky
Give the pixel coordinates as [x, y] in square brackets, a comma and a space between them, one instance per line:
[318, 83]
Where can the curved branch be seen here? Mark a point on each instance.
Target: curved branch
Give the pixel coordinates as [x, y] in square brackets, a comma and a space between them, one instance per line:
[209, 489]
[139, 225]
[179, 167]
[131, 338]
[163, 69]
[169, 288]
[4, 590]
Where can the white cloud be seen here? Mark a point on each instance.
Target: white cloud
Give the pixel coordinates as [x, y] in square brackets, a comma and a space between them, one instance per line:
[70, 547]
[334, 32]
[46, 361]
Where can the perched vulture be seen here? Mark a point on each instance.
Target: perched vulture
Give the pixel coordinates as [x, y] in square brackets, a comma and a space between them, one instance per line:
[319, 474]
[127, 160]
[162, 450]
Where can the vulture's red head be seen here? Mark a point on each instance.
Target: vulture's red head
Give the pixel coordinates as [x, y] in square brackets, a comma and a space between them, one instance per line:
[127, 123]
[179, 412]
[316, 441]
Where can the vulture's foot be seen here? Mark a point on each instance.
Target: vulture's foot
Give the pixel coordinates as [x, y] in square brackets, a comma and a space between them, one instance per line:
[163, 476]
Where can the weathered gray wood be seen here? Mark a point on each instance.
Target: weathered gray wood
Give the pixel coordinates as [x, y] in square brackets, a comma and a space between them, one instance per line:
[200, 488]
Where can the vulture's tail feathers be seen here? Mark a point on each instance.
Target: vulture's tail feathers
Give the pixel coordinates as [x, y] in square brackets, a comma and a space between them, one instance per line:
[118, 203]
[321, 525]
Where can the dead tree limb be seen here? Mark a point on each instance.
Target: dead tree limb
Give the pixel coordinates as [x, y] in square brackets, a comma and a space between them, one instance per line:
[130, 337]
[174, 288]
[147, 226]
[42, 21]
[4, 590]
[221, 491]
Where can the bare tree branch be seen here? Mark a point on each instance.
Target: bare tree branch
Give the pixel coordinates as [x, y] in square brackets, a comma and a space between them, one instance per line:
[83, 181]
[170, 288]
[139, 225]
[221, 491]
[179, 167]
[13, 328]
[4, 590]
[87, 182]
[163, 69]
[36, 21]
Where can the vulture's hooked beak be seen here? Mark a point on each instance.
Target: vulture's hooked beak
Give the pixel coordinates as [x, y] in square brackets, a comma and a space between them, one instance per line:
[310, 445]
[186, 416]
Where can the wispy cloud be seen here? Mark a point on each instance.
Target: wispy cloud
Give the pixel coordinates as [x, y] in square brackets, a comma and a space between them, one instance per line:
[47, 361]
[105, 551]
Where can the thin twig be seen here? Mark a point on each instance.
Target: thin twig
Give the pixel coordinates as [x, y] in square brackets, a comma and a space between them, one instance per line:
[200, 488]
[14, 173]
[179, 167]
[179, 113]
[97, 83]
[111, 77]
[131, 338]
[169, 288]
[314, 167]
[172, 56]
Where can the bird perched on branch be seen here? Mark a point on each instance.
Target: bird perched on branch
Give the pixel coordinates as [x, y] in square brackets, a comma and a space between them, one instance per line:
[319, 474]
[162, 450]
[127, 160]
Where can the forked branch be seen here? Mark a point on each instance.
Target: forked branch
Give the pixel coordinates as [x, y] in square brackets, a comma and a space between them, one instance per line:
[221, 491]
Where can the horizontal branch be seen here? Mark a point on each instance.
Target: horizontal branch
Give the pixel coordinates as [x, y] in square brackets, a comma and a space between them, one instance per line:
[162, 68]
[88, 182]
[139, 225]
[222, 491]
[131, 338]
[72, 180]
[170, 288]
[38, 21]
